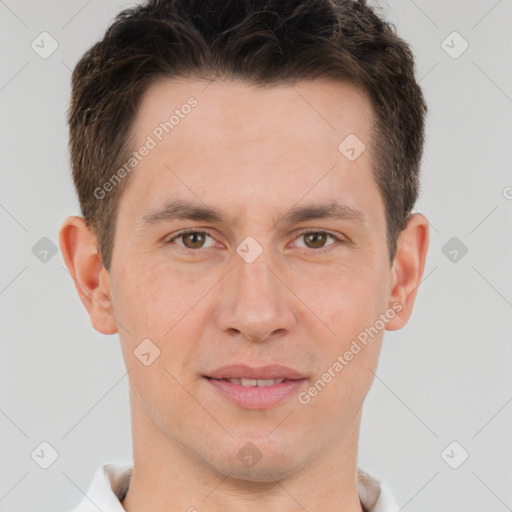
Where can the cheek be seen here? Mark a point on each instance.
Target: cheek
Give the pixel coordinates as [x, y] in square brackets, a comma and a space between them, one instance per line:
[153, 300]
[356, 304]
[346, 299]
[350, 305]
[157, 305]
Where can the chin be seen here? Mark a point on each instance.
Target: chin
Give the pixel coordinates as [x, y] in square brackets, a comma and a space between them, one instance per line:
[262, 460]
[263, 472]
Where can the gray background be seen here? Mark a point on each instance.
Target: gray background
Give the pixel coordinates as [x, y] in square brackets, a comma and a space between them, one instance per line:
[445, 377]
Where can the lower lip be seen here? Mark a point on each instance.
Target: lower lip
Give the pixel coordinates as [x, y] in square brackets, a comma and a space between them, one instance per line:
[257, 397]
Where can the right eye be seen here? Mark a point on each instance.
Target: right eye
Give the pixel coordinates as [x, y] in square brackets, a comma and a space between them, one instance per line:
[192, 239]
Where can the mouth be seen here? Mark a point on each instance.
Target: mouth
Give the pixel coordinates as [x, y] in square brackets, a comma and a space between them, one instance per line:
[256, 388]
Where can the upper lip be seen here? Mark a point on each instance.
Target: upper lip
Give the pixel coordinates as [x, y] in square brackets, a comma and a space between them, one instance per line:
[242, 371]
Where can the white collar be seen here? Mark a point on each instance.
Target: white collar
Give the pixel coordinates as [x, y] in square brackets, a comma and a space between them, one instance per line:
[110, 484]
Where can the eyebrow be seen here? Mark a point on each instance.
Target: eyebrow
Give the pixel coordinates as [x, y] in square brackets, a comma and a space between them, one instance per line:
[185, 210]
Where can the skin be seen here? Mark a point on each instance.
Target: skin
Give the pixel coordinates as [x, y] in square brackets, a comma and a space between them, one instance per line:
[255, 153]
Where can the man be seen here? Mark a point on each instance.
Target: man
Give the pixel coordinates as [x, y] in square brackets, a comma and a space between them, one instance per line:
[246, 172]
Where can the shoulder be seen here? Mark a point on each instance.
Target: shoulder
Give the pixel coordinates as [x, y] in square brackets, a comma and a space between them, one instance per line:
[374, 494]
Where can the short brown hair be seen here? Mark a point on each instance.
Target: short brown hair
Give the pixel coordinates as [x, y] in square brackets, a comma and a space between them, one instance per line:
[259, 42]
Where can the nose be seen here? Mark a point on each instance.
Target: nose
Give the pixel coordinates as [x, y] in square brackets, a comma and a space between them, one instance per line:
[255, 302]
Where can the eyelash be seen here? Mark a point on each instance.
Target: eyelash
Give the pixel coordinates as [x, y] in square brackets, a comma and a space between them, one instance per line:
[306, 232]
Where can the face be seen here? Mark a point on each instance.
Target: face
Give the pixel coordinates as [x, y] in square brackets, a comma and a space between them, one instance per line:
[246, 285]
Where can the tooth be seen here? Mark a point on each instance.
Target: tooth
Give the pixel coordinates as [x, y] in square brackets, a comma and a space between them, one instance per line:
[255, 382]
[267, 382]
[261, 382]
[249, 382]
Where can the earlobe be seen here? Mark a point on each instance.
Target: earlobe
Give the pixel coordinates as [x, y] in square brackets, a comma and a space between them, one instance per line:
[408, 267]
[80, 251]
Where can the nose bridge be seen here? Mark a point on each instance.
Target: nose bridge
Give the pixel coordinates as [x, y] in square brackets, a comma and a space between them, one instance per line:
[254, 281]
[255, 301]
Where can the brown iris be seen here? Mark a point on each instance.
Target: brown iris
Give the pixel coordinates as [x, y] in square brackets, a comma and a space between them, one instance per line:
[318, 239]
[197, 239]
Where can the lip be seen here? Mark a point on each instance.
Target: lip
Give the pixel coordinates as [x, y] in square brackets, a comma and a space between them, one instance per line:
[256, 397]
[242, 371]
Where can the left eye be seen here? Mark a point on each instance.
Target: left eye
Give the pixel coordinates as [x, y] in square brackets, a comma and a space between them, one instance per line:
[194, 240]
[317, 238]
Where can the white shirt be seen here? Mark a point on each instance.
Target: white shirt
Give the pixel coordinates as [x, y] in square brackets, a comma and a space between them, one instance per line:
[110, 485]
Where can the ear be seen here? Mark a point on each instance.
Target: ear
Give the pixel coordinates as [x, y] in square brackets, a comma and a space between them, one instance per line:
[407, 270]
[80, 251]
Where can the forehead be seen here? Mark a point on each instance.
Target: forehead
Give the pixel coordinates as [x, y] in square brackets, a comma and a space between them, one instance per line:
[235, 144]
[230, 111]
